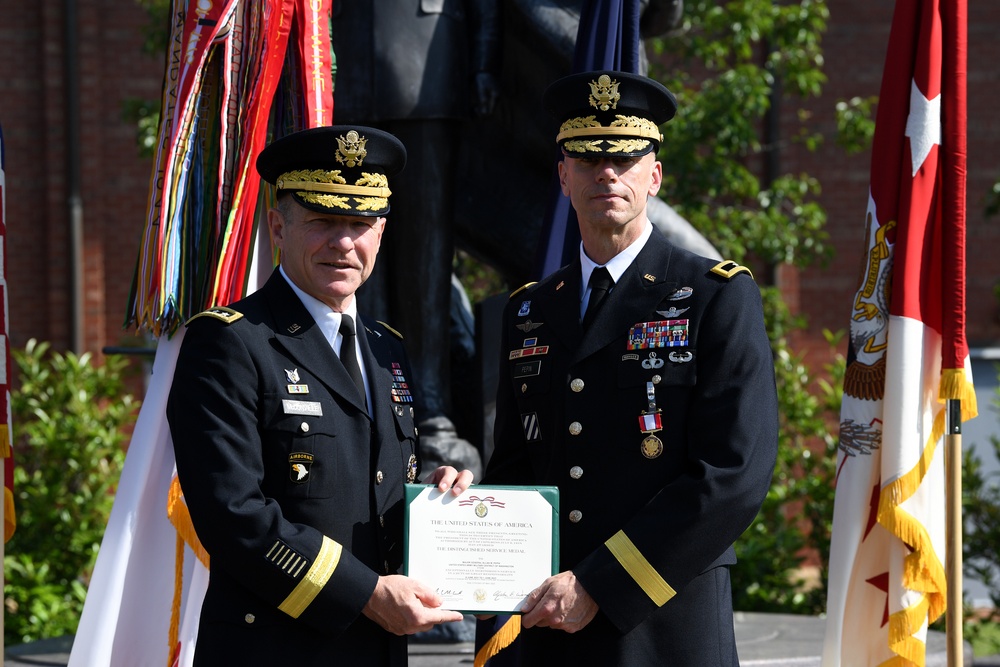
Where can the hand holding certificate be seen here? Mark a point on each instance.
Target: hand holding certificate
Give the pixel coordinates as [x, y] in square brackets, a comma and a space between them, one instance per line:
[484, 550]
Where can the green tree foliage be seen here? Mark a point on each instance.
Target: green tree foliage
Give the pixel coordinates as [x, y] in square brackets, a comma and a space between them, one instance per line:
[730, 65]
[69, 421]
[856, 123]
[145, 114]
[793, 527]
[981, 510]
[981, 514]
[993, 200]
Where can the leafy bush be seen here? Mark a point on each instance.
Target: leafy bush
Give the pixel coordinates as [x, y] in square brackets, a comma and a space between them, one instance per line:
[981, 513]
[69, 421]
[732, 67]
[792, 529]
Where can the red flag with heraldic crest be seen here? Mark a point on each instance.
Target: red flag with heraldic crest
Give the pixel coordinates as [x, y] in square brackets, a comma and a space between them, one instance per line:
[907, 353]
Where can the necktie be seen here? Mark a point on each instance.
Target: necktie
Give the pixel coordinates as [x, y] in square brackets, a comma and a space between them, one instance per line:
[348, 355]
[600, 284]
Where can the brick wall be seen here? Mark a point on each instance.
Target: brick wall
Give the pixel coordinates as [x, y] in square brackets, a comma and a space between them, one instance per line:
[855, 47]
[34, 111]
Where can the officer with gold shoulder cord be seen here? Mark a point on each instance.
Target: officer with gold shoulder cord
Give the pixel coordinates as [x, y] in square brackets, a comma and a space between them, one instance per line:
[639, 380]
[292, 423]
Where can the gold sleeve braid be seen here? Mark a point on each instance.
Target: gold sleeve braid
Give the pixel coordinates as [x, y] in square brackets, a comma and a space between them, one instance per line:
[319, 573]
[649, 580]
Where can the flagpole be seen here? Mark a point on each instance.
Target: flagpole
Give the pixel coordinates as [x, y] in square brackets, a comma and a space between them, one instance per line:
[954, 112]
[953, 531]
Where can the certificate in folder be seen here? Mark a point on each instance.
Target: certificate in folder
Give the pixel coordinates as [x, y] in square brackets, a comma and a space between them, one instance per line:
[485, 550]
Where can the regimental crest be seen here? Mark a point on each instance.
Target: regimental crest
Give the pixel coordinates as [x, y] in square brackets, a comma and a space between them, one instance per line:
[864, 377]
[292, 375]
[351, 149]
[604, 93]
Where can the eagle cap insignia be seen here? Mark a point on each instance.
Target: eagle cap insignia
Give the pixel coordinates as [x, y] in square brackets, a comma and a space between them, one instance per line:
[351, 149]
[604, 93]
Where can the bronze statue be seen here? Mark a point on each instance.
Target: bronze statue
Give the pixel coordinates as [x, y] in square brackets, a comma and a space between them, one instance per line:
[508, 160]
[459, 82]
[419, 69]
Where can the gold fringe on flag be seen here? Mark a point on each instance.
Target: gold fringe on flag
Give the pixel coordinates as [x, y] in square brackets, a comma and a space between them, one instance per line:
[955, 386]
[500, 640]
[180, 518]
[922, 570]
[175, 610]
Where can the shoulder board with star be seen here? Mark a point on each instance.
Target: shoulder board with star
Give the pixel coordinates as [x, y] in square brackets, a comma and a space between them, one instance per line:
[391, 330]
[727, 268]
[221, 313]
[520, 289]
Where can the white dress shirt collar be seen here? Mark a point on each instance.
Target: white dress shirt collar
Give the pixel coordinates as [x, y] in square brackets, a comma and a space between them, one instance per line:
[616, 265]
[326, 318]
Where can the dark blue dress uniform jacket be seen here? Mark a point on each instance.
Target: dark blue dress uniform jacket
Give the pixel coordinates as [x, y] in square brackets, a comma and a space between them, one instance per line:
[649, 538]
[297, 497]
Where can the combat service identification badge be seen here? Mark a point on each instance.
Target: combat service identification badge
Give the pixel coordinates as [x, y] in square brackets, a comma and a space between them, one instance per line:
[299, 464]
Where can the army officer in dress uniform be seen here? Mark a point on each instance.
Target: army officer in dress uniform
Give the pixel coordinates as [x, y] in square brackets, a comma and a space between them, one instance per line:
[292, 460]
[639, 380]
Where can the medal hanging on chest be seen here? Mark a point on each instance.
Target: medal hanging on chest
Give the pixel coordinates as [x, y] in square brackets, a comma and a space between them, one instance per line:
[650, 423]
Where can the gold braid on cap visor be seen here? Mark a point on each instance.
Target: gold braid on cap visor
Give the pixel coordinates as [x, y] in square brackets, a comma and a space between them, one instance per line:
[630, 128]
[318, 186]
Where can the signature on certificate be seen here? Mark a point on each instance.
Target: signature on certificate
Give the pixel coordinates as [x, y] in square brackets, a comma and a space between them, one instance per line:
[509, 595]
